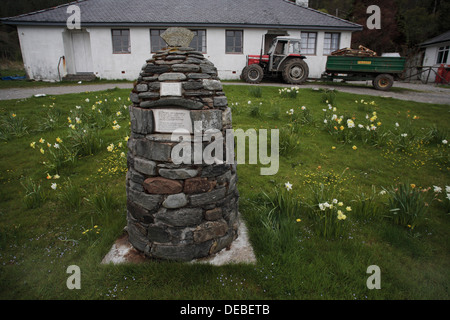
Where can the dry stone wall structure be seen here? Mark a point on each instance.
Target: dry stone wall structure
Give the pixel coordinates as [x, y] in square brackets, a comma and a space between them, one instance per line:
[188, 210]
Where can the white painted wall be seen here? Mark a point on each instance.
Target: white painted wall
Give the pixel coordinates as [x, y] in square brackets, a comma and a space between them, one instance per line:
[41, 49]
[43, 46]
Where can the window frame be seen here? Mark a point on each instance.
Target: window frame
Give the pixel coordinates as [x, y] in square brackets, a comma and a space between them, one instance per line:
[121, 51]
[160, 40]
[204, 45]
[234, 41]
[442, 54]
[331, 49]
[308, 33]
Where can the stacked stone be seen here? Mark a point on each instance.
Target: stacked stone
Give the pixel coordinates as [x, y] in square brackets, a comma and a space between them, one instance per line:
[186, 211]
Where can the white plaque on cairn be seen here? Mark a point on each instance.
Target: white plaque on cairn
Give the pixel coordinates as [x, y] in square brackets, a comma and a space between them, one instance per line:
[170, 89]
[169, 120]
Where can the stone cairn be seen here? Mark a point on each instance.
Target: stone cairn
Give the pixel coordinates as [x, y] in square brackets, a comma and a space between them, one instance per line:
[178, 211]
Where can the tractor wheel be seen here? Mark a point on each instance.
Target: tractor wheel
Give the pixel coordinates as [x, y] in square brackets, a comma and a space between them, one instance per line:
[383, 82]
[244, 71]
[295, 71]
[253, 73]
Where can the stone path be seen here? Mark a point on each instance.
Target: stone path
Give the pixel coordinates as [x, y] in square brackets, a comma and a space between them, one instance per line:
[424, 93]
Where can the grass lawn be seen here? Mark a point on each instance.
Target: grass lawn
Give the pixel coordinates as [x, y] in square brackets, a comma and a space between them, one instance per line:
[63, 201]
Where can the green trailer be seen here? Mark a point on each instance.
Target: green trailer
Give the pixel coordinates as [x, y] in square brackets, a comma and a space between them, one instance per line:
[381, 70]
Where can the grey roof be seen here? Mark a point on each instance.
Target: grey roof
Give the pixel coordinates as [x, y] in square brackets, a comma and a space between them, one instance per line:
[189, 13]
[440, 38]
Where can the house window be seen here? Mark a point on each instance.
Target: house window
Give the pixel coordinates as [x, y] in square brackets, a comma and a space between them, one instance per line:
[121, 40]
[308, 42]
[157, 43]
[443, 54]
[332, 42]
[234, 41]
[199, 41]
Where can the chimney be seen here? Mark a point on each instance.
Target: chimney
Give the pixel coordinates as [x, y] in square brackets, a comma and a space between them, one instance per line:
[303, 3]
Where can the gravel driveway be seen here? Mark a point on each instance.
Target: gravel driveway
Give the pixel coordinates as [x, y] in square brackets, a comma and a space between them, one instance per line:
[423, 93]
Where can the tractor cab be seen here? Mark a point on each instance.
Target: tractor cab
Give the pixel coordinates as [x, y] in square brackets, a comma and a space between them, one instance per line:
[280, 49]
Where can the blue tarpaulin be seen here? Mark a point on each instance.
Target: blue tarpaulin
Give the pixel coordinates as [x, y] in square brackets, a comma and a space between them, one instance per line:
[13, 78]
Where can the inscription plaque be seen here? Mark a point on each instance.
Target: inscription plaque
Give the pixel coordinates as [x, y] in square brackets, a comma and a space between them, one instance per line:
[168, 120]
[170, 89]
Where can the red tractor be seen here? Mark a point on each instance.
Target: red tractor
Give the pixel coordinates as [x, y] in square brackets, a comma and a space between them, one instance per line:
[282, 59]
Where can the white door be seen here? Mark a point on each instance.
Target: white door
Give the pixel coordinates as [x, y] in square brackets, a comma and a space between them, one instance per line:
[82, 56]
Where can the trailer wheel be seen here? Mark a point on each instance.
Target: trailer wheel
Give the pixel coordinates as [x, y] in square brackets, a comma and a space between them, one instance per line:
[253, 73]
[383, 82]
[295, 71]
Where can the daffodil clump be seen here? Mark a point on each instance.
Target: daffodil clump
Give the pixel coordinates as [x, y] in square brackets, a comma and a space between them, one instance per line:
[56, 154]
[291, 93]
[329, 217]
[116, 162]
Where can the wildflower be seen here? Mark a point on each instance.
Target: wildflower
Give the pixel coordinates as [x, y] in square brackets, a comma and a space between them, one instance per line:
[340, 204]
[110, 147]
[444, 141]
[42, 151]
[415, 117]
[325, 121]
[13, 115]
[354, 147]
[87, 100]
[56, 177]
[56, 146]
[303, 108]
[48, 145]
[322, 206]
[341, 216]
[78, 107]
[116, 127]
[127, 138]
[348, 208]
[249, 102]
[123, 155]
[118, 113]
[382, 192]
[49, 177]
[335, 201]
[412, 185]
[404, 135]
[437, 189]
[397, 125]
[447, 189]
[54, 186]
[298, 220]
[78, 120]
[33, 145]
[333, 147]
[41, 140]
[288, 186]
[350, 124]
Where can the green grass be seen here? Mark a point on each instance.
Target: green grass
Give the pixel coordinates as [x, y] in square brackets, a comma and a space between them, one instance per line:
[38, 242]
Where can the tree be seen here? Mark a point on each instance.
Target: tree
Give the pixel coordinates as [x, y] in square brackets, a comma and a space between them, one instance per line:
[386, 39]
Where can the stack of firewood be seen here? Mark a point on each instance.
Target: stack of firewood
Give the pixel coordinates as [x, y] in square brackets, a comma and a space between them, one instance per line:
[360, 52]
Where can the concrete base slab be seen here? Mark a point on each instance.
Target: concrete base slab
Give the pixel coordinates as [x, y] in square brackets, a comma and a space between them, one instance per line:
[240, 251]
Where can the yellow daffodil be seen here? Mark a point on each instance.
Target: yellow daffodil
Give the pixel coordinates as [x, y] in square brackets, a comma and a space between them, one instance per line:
[33, 145]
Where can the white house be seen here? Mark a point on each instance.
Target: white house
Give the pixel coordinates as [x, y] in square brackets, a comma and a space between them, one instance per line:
[436, 54]
[117, 36]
